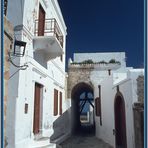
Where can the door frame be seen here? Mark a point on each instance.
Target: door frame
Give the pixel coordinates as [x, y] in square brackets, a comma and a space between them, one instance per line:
[119, 100]
[41, 21]
[40, 109]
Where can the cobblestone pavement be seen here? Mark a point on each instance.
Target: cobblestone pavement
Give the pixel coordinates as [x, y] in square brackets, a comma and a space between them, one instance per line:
[85, 138]
[84, 142]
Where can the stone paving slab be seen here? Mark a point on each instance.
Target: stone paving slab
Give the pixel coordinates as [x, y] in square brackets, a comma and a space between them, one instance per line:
[84, 142]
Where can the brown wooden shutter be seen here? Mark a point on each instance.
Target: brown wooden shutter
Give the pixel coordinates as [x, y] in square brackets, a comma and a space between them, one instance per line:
[100, 104]
[60, 107]
[41, 22]
[55, 102]
[97, 106]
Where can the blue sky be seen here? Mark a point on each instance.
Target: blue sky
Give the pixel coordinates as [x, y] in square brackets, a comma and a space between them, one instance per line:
[105, 26]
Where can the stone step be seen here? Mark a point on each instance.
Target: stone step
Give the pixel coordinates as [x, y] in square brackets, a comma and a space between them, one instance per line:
[49, 146]
[42, 143]
[52, 146]
[61, 138]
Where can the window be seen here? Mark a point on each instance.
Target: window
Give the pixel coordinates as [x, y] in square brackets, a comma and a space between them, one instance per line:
[60, 107]
[99, 102]
[55, 102]
[97, 106]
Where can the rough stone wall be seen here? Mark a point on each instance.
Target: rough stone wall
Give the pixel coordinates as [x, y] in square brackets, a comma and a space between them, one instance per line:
[140, 89]
[8, 40]
[138, 110]
[77, 75]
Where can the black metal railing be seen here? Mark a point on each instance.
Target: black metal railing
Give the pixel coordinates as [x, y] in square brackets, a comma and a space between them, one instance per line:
[51, 27]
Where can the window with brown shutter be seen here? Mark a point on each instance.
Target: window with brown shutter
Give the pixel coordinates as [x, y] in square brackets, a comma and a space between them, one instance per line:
[60, 107]
[97, 106]
[99, 86]
[55, 102]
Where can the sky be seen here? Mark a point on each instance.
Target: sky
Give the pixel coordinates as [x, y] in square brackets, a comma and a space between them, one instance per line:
[105, 26]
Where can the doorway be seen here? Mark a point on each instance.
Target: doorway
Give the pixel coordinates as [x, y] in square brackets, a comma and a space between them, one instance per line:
[37, 108]
[120, 122]
[41, 21]
[82, 109]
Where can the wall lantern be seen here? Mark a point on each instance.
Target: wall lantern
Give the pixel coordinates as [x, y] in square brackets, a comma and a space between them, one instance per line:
[19, 48]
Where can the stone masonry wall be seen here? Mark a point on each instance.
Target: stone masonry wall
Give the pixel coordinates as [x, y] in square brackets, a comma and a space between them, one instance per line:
[76, 76]
[8, 40]
[138, 111]
[140, 89]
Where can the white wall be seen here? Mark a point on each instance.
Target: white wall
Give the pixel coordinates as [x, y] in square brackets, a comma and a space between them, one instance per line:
[128, 88]
[26, 95]
[24, 13]
[105, 131]
[133, 75]
[20, 125]
[15, 11]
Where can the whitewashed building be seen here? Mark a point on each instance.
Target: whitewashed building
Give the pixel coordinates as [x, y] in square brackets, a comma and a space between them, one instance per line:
[114, 87]
[43, 105]
[37, 84]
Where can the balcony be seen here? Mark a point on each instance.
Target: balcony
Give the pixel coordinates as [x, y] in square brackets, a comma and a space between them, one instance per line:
[48, 38]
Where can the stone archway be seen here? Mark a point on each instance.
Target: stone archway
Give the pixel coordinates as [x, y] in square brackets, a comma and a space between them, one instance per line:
[76, 76]
[76, 92]
[120, 121]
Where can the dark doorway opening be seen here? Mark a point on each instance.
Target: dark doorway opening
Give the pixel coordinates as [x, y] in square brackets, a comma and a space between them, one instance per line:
[82, 110]
[120, 122]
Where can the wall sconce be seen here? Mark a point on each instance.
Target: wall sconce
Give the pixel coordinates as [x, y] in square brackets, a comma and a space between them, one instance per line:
[19, 48]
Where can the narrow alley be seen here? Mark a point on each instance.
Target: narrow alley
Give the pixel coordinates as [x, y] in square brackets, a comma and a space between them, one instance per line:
[84, 142]
[84, 138]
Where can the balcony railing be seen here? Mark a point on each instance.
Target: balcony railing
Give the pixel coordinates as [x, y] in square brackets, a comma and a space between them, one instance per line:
[51, 28]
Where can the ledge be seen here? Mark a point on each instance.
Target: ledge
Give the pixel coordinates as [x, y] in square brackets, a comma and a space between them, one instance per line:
[96, 66]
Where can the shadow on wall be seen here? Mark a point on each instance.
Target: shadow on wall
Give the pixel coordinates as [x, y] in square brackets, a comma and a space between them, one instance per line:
[61, 127]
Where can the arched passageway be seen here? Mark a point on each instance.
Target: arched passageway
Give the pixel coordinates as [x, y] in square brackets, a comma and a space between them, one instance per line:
[82, 115]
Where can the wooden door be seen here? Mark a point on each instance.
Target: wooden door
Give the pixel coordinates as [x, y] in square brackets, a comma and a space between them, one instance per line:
[37, 108]
[41, 23]
[120, 123]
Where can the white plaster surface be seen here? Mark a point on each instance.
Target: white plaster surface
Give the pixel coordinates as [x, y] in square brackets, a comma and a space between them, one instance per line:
[50, 74]
[107, 95]
[128, 88]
